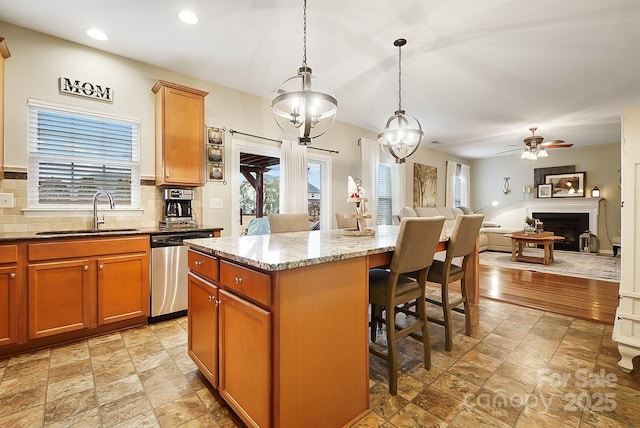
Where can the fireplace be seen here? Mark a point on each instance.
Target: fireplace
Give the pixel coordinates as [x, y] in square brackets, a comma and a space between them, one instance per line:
[565, 209]
[567, 225]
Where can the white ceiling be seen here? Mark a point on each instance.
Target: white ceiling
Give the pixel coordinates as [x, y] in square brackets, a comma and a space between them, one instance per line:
[477, 74]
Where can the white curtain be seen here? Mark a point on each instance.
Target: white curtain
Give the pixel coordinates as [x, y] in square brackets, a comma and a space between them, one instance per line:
[450, 185]
[398, 185]
[465, 184]
[455, 178]
[294, 190]
[370, 158]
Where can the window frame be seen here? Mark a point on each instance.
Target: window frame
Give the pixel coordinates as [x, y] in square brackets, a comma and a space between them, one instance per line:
[34, 157]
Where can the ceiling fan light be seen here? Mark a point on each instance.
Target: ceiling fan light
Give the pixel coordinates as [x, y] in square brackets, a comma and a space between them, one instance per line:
[542, 153]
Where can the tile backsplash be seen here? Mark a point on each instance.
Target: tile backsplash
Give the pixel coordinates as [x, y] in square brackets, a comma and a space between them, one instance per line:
[15, 220]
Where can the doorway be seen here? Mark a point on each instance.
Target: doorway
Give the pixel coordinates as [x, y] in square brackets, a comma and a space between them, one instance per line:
[255, 185]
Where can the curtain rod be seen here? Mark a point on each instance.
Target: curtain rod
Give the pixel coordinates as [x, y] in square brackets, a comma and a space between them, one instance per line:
[233, 131]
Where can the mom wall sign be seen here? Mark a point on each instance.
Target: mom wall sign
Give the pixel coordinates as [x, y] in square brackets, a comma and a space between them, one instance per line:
[85, 89]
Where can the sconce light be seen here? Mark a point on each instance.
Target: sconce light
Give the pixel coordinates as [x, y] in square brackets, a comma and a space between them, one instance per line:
[506, 189]
[595, 192]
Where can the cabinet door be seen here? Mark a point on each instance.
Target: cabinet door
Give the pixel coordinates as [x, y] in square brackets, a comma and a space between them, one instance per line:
[183, 138]
[123, 287]
[59, 297]
[245, 359]
[203, 326]
[8, 306]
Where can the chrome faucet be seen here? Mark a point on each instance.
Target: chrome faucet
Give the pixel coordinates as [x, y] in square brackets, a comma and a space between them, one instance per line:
[112, 204]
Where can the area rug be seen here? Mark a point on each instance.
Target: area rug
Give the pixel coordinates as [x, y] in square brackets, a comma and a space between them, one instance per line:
[568, 263]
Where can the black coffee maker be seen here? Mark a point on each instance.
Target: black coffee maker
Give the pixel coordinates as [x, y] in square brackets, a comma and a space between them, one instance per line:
[177, 208]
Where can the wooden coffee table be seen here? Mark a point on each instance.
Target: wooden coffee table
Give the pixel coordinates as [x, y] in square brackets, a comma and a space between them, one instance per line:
[519, 239]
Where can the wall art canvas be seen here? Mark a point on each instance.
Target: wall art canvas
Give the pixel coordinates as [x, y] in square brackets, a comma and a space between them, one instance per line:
[425, 185]
[566, 185]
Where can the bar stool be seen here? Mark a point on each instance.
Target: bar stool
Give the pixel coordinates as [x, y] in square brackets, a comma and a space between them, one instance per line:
[461, 244]
[288, 222]
[415, 247]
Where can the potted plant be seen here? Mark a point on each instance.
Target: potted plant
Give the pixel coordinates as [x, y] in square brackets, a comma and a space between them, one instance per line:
[529, 224]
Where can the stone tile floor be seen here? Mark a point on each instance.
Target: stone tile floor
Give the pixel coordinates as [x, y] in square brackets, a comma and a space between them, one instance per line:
[524, 368]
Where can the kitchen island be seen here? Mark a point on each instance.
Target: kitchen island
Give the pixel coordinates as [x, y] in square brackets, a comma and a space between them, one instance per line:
[278, 323]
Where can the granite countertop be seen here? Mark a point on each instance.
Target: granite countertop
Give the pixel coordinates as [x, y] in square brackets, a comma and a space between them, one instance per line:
[106, 231]
[280, 251]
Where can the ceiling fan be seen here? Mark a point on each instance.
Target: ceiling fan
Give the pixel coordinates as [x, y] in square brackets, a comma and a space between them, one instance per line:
[535, 148]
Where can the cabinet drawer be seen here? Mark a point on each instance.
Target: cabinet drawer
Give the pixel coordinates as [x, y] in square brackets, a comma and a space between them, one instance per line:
[248, 282]
[203, 264]
[8, 253]
[86, 247]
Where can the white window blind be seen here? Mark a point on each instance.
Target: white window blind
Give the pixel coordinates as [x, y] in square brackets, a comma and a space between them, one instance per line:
[75, 153]
[385, 208]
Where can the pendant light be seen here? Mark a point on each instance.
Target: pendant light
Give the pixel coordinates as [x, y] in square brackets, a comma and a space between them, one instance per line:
[402, 133]
[304, 106]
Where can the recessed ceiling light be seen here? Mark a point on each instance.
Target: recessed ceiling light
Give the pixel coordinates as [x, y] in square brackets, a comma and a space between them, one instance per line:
[188, 17]
[96, 34]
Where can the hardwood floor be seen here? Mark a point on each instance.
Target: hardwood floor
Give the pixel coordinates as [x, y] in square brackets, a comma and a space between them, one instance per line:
[587, 299]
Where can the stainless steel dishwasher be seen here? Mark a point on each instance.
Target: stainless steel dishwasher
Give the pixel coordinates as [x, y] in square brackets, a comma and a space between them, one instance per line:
[169, 271]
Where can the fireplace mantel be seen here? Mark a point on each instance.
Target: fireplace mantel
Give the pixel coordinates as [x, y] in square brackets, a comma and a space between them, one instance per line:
[566, 205]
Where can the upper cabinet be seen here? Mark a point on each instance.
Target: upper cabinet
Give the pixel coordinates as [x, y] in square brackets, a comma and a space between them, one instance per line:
[180, 147]
[4, 54]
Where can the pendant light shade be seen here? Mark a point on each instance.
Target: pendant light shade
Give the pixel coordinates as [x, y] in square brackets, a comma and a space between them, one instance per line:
[304, 107]
[402, 133]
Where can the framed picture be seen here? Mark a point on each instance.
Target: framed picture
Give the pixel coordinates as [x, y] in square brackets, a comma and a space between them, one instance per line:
[544, 190]
[570, 185]
[214, 135]
[215, 153]
[216, 172]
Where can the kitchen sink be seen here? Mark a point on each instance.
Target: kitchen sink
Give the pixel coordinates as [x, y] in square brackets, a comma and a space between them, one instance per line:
[84, 231]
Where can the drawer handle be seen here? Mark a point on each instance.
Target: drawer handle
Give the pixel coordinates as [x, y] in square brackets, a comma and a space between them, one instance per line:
[211, 298]
[237, 280]
[198, 263]
[86, 267]
[12, 275]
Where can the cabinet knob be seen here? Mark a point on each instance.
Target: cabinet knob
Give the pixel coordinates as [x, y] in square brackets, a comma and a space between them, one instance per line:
[101, 267]
[12, 275]
[211, 298]
[86, 267]
[198, 263]
[237, 280]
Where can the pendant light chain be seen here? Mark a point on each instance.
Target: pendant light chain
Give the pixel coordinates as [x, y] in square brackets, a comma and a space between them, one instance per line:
[304, 32]
[399, 77]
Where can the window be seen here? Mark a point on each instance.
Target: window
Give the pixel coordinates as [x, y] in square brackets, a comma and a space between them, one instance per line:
[385, 207]
[74, 153]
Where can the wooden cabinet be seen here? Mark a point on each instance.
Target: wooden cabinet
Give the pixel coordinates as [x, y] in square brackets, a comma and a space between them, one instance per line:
[245, 359]
[59, 297]
[86, 283]
[123, 291]
[180, 142]
[626, 327]
[8, 294]
[4, 54]
[203, 326]
[282, 361]
[230, 335]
